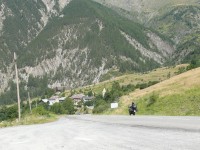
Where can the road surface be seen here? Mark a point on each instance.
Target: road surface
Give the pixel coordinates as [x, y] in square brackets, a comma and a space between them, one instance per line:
[86, 132]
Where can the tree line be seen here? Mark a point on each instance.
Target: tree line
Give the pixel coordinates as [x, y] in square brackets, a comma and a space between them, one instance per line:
[38, 108]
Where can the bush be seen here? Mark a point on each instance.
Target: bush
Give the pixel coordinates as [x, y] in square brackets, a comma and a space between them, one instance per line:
[58, 108]
[2, 116]
[152, 99]
[194, 64]
[89, 103]
[181, 70]
[68, 105]
[40, 111]
[7, 113]
[150, 83]
[100, 106]
[12, 112]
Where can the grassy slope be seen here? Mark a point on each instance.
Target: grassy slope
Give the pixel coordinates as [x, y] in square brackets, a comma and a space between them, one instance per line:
[179, 95]
[159, 74]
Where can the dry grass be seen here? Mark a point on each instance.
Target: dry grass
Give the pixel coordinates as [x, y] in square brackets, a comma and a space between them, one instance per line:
[30, 119]
[159, 74]
[175, 85]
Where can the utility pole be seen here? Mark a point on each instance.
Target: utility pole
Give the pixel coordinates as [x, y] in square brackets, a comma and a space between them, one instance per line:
[36, 103]
[17, 81]
[29, 100]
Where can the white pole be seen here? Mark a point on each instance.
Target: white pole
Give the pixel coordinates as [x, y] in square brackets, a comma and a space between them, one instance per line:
[29, 100]
[17, 81]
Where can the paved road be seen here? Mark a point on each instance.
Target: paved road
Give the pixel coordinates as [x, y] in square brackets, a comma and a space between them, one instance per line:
[87, 132]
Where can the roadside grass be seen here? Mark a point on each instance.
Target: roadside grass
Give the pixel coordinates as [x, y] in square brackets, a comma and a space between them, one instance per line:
[182, 104]
[177, 96]
[29, 119]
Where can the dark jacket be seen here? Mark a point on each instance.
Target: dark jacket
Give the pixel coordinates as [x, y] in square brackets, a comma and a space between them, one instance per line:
[133, 107]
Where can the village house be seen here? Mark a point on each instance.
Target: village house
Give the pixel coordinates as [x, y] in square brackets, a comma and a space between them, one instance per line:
[54, 99]
[45, 100]
[62, 99]
[87, 98]
[77, 98]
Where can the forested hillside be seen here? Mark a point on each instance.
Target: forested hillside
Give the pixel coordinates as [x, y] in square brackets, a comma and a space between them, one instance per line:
[71, 44]
[179, 20]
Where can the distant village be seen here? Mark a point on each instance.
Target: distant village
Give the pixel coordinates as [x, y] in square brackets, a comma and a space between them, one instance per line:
[77, 98]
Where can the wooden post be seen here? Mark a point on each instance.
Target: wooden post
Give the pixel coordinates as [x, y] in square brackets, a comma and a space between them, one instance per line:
[29, 100]
[17, 82]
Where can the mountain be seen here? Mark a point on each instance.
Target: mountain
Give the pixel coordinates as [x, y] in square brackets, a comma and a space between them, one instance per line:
[178, 20]
[143, 10]
[73, 43]
[20, 23]
[182, 25]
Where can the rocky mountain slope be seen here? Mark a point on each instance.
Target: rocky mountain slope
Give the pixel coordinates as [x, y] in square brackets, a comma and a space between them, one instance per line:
[74, 42]
[179, 20]
[143, 10]
[20, 23]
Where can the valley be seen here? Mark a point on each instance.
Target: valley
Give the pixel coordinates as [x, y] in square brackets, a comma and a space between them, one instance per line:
[135, 50]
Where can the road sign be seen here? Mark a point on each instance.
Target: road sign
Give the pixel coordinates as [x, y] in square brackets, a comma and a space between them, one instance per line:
[114, 105]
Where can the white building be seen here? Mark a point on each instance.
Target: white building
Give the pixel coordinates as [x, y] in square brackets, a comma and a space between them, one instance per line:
[53, 100]
[45, 100]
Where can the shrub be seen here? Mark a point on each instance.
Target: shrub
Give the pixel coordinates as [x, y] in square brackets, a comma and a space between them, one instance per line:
[40, 111]
[89, 103]
[12, 112]
[181, 70]
[152, 99]
[58, 108]
[100, 106]
[68, 105]
[7, 113]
